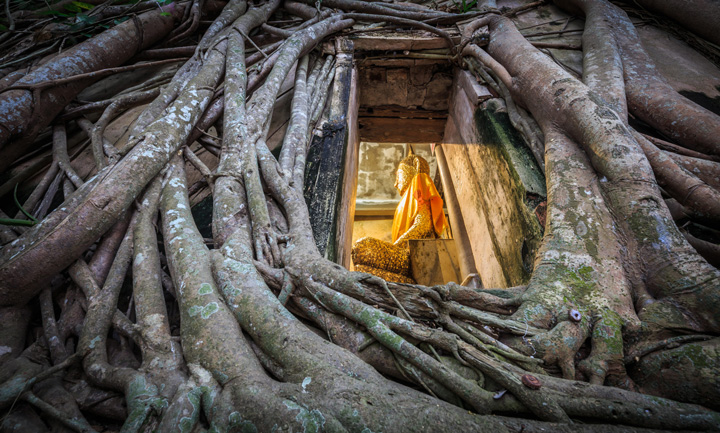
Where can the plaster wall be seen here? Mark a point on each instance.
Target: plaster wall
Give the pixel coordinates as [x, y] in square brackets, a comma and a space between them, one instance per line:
[496, 183]
[377, 166]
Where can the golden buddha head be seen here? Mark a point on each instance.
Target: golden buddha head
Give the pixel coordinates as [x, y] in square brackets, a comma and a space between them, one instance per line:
[410, 166]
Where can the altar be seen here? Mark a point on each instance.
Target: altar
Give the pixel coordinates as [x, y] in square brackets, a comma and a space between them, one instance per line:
[434, 261]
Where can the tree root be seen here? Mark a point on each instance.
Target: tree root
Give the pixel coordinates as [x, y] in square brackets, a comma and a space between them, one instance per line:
[263, 333]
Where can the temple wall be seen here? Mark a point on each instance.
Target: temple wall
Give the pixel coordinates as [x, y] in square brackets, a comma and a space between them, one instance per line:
[500, 191]
[497, 184]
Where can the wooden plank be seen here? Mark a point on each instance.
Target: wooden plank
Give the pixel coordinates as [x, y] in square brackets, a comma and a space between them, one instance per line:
[401, 62]
[475, 92]
[397, 130]
[346, 214]
[389, 62]
[324, 172]
[402, 112]
[414, 40]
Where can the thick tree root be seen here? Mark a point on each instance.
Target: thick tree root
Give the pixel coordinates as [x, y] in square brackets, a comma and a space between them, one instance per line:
[156, 331]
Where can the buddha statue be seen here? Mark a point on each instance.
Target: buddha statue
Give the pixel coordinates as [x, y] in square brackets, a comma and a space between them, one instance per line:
[419, 215]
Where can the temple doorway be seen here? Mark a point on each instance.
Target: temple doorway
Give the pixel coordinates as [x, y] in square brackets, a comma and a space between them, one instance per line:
[403, 105]
[393, 92]
[434, 261]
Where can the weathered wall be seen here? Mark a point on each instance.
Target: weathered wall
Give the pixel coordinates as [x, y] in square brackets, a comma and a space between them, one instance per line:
[377, 167]
[403, 100]
[422, 86]
[497, 185]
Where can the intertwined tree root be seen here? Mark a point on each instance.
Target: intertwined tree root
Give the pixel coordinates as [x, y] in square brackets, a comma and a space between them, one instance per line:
[141, 324]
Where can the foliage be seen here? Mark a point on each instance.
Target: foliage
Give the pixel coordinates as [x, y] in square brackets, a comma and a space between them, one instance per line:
[465, 6]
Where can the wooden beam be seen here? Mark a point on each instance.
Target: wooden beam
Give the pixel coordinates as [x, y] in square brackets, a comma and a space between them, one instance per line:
[324, 172]
[413, 40]
[399, 62]
[346, 210]
[401, 112]
[376, 207]
[475, 92]
[398, 130]
[462, 241]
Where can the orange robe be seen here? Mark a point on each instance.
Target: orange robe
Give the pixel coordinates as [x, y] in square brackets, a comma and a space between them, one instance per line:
[421, 190]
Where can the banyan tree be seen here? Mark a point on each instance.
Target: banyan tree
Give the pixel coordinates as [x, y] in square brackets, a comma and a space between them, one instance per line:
[178, 193]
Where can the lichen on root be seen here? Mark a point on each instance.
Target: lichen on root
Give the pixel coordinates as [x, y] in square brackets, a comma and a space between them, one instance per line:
[260, 332]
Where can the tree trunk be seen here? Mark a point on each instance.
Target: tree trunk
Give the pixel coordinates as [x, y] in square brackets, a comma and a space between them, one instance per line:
[146, 324]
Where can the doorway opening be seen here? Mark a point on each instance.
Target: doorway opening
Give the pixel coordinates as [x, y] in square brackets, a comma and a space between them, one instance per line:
[392, 92]
[403, 104]
[434, 260]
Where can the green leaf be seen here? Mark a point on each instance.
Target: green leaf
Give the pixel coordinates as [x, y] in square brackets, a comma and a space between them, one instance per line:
[82, 5]
[83, 18]
[464, 6]
[55, 13]
[73, 8]
[165, 14]
[17, 203]
[120, 20]
[3, 28]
